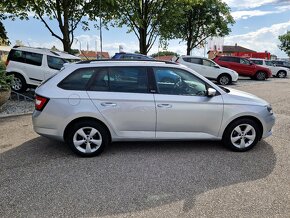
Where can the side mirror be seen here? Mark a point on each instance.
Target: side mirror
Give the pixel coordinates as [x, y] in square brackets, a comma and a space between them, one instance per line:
[211, 92]
[216, 66]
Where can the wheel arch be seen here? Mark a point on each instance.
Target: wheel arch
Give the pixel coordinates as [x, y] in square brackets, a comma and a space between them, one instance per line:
[260, 124]
[86, 118]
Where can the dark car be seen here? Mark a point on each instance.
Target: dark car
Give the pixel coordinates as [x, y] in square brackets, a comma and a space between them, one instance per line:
[131, 56]
[244, 67]
[282, 64]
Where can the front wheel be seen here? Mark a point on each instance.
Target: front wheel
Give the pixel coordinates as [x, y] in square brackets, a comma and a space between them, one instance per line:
[88, 138]
[281, 74]
[224, 79]
[242, 135]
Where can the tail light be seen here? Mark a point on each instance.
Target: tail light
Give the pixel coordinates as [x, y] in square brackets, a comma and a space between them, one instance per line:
[40, 102]
[6, 62]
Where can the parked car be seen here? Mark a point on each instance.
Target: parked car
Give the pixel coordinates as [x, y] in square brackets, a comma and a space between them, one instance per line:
[89, 105]
[244, 67]
[131, 56]
[276, 71]
[30, 66]
[282, 63]
[209, 69]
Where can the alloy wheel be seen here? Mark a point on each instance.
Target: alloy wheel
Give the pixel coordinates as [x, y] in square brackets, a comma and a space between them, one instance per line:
[87, 140]
[243, 136]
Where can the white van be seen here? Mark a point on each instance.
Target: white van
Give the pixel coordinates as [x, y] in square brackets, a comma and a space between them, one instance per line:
[30, 66]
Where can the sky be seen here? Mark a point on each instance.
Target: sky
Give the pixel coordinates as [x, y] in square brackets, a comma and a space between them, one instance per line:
[258, 23]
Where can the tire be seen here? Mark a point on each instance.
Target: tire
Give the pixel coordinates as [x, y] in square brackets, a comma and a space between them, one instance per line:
[260, 75]
[281, 74]
[224, 79]
[87, 138]
[242, 135]
[18, 83]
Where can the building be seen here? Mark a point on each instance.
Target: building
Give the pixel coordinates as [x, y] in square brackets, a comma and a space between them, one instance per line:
[91, 55]
[4, 51]
[239, 51]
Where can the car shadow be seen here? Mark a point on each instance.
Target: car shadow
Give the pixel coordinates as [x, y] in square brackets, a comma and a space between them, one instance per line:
[44, 178]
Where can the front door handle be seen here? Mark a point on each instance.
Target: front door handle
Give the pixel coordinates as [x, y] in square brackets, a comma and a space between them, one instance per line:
[164, 105]
[108, 104]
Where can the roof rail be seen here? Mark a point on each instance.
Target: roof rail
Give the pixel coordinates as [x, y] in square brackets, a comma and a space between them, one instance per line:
[125, 60]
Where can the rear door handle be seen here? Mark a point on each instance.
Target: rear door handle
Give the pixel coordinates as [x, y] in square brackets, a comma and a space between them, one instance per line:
[164, 105]
[108, 104]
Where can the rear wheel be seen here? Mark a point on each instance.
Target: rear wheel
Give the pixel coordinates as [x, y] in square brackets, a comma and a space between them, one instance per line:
[242, 135]
[224, 79]
[87, 138]
[18, 83]
[281, 74]
[260, 75]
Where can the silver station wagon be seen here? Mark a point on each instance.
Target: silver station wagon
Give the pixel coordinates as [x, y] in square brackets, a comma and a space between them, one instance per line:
[90, 104]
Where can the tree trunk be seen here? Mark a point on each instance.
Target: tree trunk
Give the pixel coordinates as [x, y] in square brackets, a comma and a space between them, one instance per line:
[188, 49]
[142, 41]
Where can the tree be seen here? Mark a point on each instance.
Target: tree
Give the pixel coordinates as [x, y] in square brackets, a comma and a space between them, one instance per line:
[197, 20]
[285, 43]
[67, 13]
[164, 53]
[3, 35]
[144, 18]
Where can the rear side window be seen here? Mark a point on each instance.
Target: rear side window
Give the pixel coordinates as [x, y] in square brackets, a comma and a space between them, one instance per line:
[229, 59]
[55, 62]
[16, 55]
[193, 60]
[77, 80]
[121, 79]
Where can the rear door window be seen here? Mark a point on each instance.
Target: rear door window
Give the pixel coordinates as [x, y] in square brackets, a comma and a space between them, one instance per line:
[121, 79]
[33, 58]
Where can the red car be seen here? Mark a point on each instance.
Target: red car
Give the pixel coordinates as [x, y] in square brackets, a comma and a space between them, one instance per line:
[244, 67]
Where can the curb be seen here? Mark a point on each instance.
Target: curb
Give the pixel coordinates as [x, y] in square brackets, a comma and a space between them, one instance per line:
[15, 115]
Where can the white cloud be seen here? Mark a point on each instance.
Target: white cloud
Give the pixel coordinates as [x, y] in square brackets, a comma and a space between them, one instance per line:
[245, 14]
[245, 4]
[261, 40]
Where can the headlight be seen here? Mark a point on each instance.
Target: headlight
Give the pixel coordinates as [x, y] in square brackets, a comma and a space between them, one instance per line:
[269, 108]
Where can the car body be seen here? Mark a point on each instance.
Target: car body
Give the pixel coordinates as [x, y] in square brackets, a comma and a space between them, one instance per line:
[88, 105]
[209, 69]
[30, 66]
[280, 72]
[244, 67]
[131, 56]
[281, 63]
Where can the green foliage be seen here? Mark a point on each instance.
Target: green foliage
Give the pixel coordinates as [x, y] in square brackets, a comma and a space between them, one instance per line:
[5, 80]
[196, 20]
[285, 43]
[143, 17]
[164, 53]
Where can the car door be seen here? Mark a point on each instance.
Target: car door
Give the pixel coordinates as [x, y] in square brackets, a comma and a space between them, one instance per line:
[210, 69]
[183, 109]
[122, 96]
[246, 68]
[32, 67]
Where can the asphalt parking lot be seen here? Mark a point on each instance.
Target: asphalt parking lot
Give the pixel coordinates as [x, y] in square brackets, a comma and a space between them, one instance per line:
[42, 178]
